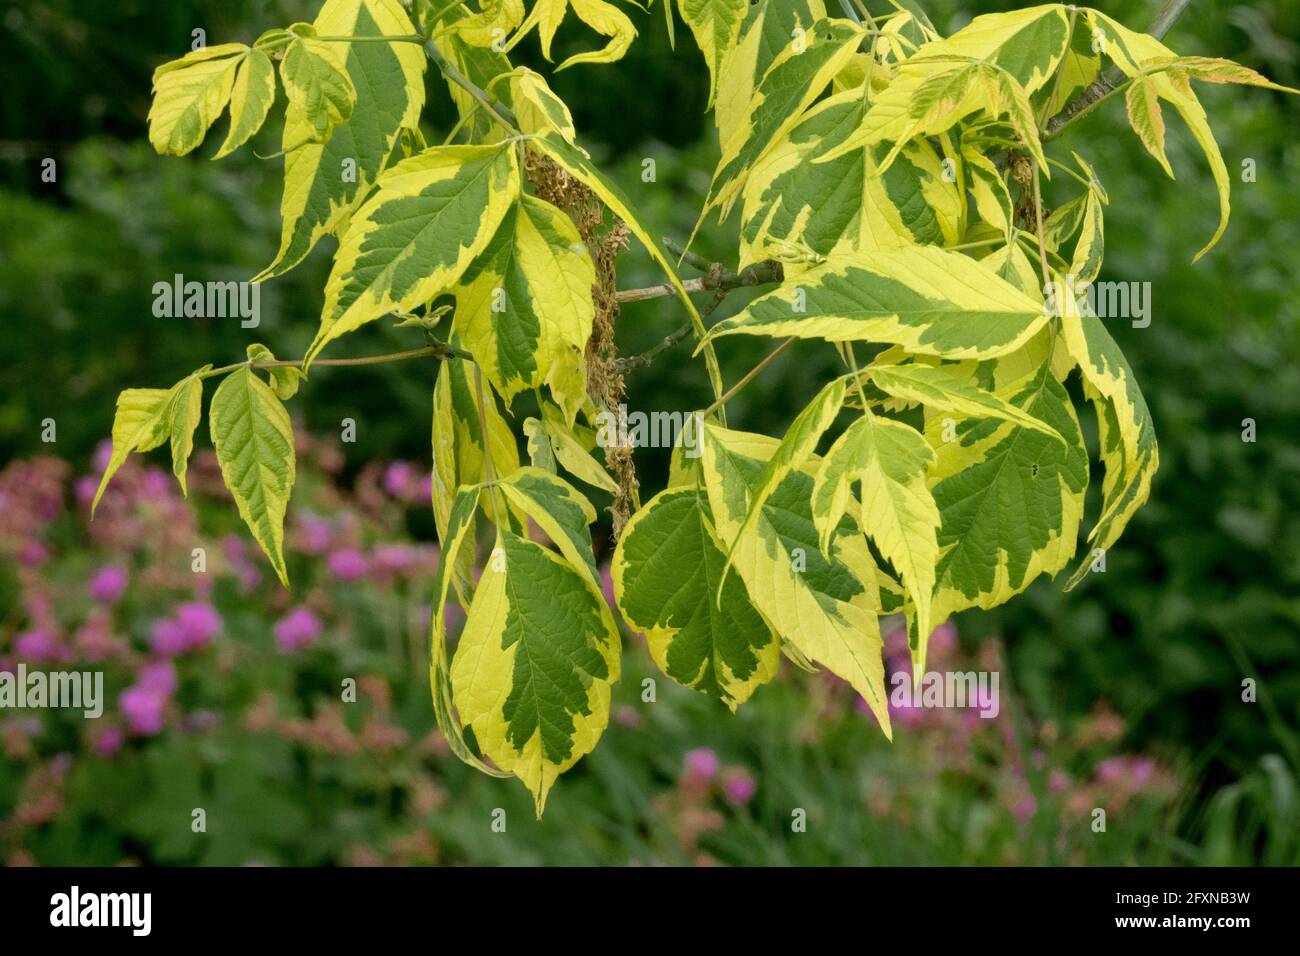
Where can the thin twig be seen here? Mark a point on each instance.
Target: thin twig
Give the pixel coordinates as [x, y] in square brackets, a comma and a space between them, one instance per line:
[760, 273]
[751, 375]
[441, 351]
[1038, 221]
[499, 111]
[1112, 78]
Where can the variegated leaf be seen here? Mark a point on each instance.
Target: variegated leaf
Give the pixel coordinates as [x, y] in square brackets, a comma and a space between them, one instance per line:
[254, 441]
[189, 94]
[324, 182]
[1127, 436]
[889, 461]
[429, 217]
[668, 580]
[825, 606]
[929, 301]
[792, 203]
[1010, 498]
[796, 78]
[534, 665]
[524, 306]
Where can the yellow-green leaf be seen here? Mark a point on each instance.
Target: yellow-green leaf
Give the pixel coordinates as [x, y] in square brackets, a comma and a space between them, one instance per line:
[459, 449]
[793, 204]
[948, 390]
[579, 165]
[605, 18]
[560, 511]
[254, 442]
[716, 26]
[324, 182]
[798, 445]
[454, 536]
[321, 96]
[1210, 69]
[429, 217]
[1145, 116]
[183, 413]
[533, 668]
[250, 100]
[535, 105]
[768, 28]
[1133, 53]
[667, 570]
[1010, 498]
[147, 417]
[571, 445]
[524, 306]
[796, 78]
[826, 606]
[928, 300]
[189, 94]
[890, 462]
[1127, 435]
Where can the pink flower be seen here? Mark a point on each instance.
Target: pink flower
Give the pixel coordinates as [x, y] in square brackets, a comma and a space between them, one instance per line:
[738, 786]
[109, 741]
[394, 557]
[143, 709]
[199, 623]
[909, 713]
[347, 564]
[943, 641]
[103, 455]
[155, 485]
[38, 646]
[85, 488]
[1024, 808]
[453, 617]
[1143, 770]
[107, 584]
[700, 764]
[316, 534]
[33, 554]
[158, 677]
[399, 477]
[296, 630]
[1111, 770]
[167, 639]
[95, 640]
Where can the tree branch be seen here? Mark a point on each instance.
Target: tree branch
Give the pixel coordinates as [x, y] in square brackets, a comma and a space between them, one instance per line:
[718, 278]
[440, 350]
[1112, 77]
[499, 111]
